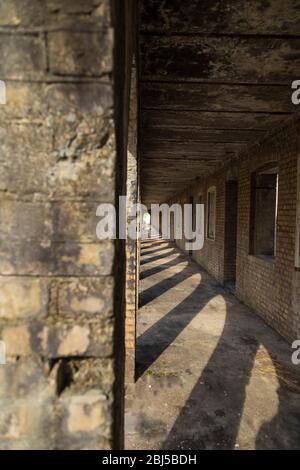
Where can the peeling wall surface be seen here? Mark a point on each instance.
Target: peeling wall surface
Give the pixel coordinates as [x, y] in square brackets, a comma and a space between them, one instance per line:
[58, 162]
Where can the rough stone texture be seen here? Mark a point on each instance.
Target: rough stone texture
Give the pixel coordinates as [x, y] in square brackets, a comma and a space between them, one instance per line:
[40, 15]
[26, 13]
[58, 158]
[73, 53]
[23, 57]
[23, 297]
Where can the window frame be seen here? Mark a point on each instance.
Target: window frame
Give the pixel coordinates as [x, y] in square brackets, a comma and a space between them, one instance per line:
[263, 169]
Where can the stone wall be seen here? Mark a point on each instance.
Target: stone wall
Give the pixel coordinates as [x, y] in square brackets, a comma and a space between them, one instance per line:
[58, 162]
[269, 286]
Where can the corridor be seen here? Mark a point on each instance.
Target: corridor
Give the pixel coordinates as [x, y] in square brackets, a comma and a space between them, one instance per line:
[210, 373]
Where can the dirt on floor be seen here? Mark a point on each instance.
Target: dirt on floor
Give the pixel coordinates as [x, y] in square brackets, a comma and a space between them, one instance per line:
[210, 373]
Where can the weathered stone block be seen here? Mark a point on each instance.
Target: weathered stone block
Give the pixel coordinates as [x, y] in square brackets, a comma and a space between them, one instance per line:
[22, 298]
[22, 13]
[47, 258]
[22, 57]
[91, 15]
[25, 220]
[80, 135]
[66, 102]
[26, 419]
[83, 152]
[75, 6]
[82, 297]
[73, 53]
[91, 259]
[24, 101]
[75, 221]
[87, 339]
[84, 418]
[26, 258]
[72, 101]
[25, 376]
[73, 169]
[29, 148]
[86, 413]
[81, 171]
[17, 340]
[65, 221]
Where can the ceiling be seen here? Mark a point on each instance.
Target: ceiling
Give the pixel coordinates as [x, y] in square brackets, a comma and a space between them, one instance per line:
[215, 75]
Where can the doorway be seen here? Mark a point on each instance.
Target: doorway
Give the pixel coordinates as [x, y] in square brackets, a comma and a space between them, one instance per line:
[230, 243]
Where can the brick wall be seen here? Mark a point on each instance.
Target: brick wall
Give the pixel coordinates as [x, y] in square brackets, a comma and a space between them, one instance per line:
[271, 288]
[262, 284]
[58, 157]
[211, 257]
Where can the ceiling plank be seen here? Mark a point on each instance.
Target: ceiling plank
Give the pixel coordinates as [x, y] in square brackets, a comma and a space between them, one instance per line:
[213, 97]
[151, 147]
[220, 59]
[152, 119]
[220, 16]
[199, 135]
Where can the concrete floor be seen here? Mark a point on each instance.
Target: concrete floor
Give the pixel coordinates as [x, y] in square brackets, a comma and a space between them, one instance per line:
[211, 373]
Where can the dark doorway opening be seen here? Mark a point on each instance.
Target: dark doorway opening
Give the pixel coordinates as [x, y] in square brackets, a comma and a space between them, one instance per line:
[231, 196]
